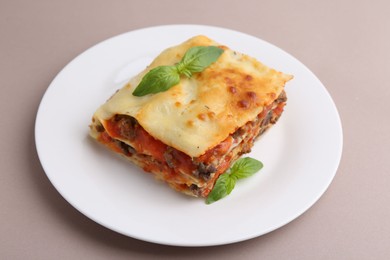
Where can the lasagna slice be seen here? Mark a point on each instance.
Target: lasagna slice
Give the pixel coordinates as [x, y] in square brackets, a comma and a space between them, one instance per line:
[190, 134]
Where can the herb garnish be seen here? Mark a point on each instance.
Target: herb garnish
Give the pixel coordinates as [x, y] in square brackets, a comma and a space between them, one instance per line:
[225, 183]
[162, 78]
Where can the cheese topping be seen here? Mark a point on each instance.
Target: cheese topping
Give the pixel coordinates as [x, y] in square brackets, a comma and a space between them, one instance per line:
[199, 112]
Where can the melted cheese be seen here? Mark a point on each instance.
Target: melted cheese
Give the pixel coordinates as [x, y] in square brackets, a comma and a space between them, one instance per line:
[199, 112]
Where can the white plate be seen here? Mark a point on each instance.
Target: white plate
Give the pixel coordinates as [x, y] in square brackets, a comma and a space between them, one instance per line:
[301, 152]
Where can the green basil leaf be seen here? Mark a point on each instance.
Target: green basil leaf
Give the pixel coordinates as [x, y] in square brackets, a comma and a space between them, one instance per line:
[225, 183]
[162, 78]
[223, 186]
[196, 59]
[157, 80]
[245, 167]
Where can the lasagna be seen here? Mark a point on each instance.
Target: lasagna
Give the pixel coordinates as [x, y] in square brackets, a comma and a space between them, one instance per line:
[190, 134]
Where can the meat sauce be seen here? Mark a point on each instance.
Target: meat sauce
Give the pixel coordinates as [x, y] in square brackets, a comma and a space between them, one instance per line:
[171, 162]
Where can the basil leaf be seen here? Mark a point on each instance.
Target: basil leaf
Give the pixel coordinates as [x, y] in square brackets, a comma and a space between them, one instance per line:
[223, 186]
[162, 78]
[157, 80]
[196, 59]
[225, 183]
[245, 167]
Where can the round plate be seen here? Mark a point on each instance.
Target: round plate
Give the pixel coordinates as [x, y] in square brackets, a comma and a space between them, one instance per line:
[300, 153]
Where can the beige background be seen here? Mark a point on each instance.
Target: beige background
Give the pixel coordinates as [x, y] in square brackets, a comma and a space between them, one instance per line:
[345, 43]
